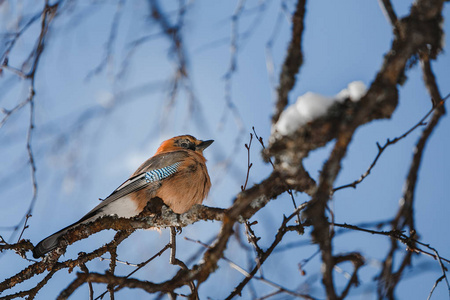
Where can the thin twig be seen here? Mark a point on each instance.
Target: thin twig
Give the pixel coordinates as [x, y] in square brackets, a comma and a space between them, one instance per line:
[388, 143]
[47, 15]
[399, 236]
[249, 275]
[108, 55]
[119, 261]
[91, 289]
[434, 286]
[281, 289]
[282, 230]
[112, 269]
[25, 226]
[388, 10]
[10, 112]
[175, 261]
[269, 45]
[441, 265]
[289, 190]
[252, 238]
[234, 48]
[249, 164]
[173, 245]
[140, 266]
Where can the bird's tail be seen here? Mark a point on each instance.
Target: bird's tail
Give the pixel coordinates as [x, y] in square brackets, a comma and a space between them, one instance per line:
[50, 243]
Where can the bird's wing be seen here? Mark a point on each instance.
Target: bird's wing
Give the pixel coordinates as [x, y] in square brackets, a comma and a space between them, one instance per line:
[149, 175]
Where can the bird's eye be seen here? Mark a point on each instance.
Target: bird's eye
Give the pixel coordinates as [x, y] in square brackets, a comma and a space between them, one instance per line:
[186, 144]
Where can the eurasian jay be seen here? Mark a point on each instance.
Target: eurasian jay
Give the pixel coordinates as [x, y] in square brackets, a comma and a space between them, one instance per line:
[176, 174]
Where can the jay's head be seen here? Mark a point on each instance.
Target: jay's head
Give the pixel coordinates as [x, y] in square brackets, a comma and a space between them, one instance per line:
[184, 142]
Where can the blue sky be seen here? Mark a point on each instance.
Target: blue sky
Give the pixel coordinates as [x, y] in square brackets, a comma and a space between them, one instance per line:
[92, 133]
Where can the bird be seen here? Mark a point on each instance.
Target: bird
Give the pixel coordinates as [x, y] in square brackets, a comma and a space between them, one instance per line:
[176, 174]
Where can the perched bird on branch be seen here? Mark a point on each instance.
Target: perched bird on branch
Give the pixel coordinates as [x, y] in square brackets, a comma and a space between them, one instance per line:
[176, 174]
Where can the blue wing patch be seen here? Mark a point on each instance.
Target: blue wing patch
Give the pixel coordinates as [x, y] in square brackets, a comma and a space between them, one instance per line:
[159, 174]
[141, 181]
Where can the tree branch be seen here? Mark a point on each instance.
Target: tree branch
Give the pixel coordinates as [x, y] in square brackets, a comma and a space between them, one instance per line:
[293, 60]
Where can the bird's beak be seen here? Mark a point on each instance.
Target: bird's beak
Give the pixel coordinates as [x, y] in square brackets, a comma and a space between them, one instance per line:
[203, 145]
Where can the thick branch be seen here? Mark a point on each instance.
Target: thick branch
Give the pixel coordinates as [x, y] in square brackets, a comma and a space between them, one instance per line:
[293, 60]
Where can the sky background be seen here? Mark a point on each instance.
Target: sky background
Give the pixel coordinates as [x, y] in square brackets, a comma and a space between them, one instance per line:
[94, 129]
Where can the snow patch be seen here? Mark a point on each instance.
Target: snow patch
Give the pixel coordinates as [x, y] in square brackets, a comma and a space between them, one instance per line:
[311, 106]
[355, 90]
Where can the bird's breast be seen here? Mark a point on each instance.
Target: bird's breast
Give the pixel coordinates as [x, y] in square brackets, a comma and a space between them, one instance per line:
[186, 188]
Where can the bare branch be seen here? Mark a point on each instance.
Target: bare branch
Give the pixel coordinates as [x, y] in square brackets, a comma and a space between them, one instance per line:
[249, 164]
[434, 286]
[111, 40]
[30, 294]
[405, 214]
[47, 16]
[264, 255]
[388, 11]
[91, 289]
[139, 266]
[390, 142]
[40, 267]
[293, 60]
